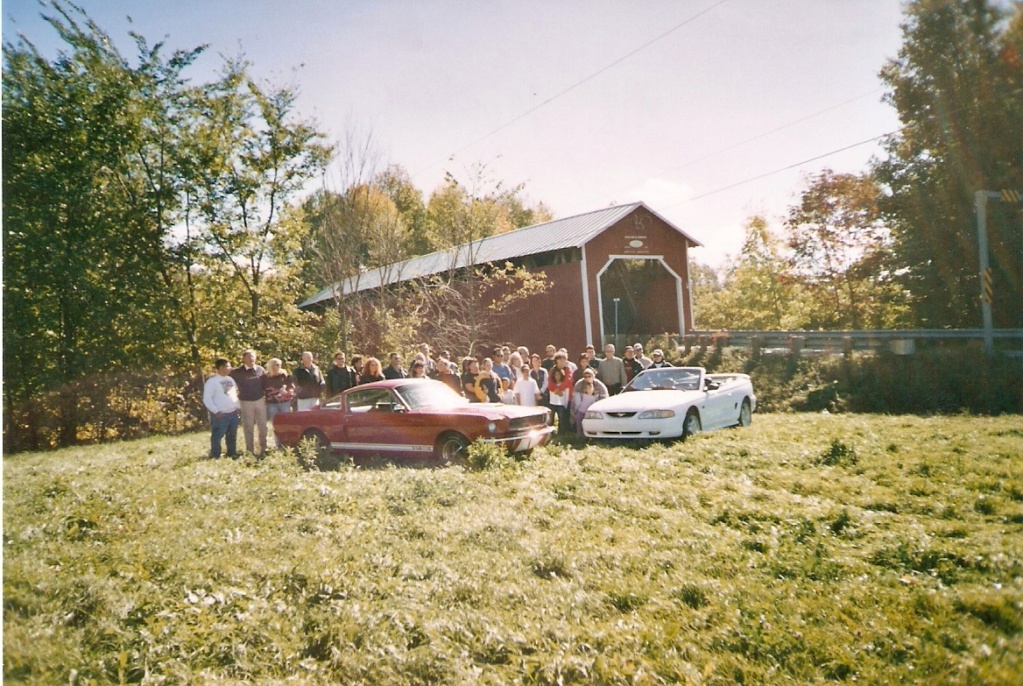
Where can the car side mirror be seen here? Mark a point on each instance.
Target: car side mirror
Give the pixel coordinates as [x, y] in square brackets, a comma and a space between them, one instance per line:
[712, 385]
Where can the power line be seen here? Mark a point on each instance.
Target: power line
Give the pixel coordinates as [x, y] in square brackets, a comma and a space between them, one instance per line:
[961, 108]
[583, 80]
[768, 133]
[779, 170]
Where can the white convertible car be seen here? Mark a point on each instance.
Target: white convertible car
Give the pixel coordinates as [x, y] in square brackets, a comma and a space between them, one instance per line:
[672, 402]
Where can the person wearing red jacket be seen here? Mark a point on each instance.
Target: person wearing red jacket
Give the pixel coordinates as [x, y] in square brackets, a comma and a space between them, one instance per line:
[560, 386]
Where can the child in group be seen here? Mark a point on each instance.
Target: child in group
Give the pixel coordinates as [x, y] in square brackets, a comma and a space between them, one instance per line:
[588, 391]
[507, 393]
[526, 391]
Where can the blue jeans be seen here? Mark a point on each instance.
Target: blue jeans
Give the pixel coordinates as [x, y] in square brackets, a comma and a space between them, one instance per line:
[274, 409]
[225, 426]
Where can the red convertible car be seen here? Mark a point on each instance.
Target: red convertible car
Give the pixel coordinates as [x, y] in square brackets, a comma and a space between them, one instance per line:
[412, 417]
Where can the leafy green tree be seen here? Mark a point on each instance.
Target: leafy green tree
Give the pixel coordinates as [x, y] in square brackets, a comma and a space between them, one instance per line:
[458, 214]
[396, 183]
[256, 156]
[756, 291]
[956, 83]
[839, 249]
[82, 293]
[143, 220]
[707, 287]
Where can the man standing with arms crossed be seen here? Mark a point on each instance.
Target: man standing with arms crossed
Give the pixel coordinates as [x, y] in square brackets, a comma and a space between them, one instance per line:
[220, 396]
[252, 396]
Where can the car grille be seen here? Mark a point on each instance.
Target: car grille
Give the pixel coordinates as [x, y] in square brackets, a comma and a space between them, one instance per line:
[523, 423]
[621, 415]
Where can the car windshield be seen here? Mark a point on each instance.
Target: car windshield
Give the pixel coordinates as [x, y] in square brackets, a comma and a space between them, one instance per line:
[366, 399]
[434, 394]
[666, 379]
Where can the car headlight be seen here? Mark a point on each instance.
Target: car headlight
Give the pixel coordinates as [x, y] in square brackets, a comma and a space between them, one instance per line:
[590, 414]
[656, 414]
[492, 427]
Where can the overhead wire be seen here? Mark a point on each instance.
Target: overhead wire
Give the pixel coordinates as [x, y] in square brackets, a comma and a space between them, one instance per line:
[795, 165]
[583, 80]
[769, 132]
[779, 170]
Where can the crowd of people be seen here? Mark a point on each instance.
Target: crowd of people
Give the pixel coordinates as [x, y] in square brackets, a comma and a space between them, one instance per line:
[250, 396]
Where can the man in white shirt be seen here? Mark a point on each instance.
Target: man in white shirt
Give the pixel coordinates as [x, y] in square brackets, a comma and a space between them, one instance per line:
[220, 396]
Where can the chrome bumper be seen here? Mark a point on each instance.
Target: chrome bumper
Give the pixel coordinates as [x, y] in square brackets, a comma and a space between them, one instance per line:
[534, 439]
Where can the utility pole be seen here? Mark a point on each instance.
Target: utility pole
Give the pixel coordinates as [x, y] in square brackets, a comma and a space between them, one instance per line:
[617, 344]
[980, 199]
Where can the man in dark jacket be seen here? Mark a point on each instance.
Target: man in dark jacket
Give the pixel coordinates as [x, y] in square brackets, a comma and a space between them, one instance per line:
[308, 383]
[340, 377]
[394, 370]
[249, 378]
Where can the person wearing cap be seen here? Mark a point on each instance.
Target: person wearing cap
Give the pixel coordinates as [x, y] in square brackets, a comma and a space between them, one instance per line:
[637, 348]
[611, 371]
[659, 360]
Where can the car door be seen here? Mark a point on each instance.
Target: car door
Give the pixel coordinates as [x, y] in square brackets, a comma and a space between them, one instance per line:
[377, 422]
[716, 404]
[722, 404]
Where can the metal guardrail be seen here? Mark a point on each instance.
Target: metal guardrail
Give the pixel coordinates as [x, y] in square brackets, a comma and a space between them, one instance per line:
[899, 341]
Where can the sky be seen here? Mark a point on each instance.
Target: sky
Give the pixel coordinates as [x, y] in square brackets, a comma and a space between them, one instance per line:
[709, 111]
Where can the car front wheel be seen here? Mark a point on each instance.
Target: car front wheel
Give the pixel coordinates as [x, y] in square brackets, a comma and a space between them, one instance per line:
[692, 425]
[451, 448]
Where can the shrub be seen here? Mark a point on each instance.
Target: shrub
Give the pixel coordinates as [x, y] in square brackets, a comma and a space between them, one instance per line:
[837, 454]
[482, 455]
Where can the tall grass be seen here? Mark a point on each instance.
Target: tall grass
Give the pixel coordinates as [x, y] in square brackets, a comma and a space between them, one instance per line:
[805, 549]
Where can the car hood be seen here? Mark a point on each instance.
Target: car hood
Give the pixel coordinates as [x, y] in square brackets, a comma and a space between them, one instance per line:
[637, 401]
[492, 411]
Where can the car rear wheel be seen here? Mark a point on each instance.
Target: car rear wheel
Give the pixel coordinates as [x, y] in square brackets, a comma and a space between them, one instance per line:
[451, 447]
[745, 413]
[692, 425]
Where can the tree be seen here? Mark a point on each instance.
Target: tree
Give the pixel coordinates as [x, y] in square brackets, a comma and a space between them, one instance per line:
[957, 85]
[82, 292]
[137, 207]
[758, 291]
[459, 214]
[839, 248]
[255, 157]
[396, 183]
[359, 227]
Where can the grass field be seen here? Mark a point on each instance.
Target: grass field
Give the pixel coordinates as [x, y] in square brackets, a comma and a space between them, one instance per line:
[805, 549]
